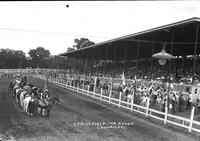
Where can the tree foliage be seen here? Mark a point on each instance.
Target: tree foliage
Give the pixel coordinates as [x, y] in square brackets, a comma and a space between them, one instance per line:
[12, 59]
[82, 43]
[39, 57]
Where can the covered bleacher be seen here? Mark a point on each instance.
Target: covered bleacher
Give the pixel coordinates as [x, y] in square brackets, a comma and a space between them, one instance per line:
[133, 53]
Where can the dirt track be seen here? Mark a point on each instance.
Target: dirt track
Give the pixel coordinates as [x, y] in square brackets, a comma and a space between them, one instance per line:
[72, 110]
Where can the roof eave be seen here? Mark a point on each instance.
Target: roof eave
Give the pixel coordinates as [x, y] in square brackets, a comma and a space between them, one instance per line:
[137, 34]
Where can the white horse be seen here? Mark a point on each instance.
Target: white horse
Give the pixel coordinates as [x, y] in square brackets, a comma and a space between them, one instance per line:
[25, 103]
[22, 97]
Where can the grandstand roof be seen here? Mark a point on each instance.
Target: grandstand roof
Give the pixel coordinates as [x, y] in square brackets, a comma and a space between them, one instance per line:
[181, 35]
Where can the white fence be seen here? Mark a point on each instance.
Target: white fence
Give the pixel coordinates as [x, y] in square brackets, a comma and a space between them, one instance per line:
[189, 124]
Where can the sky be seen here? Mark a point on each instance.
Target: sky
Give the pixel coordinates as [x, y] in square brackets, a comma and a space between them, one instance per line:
[54, 26]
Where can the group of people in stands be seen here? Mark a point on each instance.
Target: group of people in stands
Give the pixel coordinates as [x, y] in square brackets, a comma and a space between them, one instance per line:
[142, 91]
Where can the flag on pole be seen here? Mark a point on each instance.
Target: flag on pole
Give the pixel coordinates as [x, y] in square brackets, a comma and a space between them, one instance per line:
[45, 85]
[123, 79]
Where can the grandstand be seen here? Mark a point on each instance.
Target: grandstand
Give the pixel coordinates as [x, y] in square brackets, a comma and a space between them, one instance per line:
[133, 54]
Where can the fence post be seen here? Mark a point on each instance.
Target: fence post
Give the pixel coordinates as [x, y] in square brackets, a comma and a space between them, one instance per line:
[66, 83]
[110, 96]
[120, 97]
[83, 85]
[62, 82]
[101, 94]
[132, 103]
[166, 112]
[58, 81]
[191, 119]
[71, 84]
[88, 89]
[74, 86]
[147, 107]
[77, 87]
[94, 91]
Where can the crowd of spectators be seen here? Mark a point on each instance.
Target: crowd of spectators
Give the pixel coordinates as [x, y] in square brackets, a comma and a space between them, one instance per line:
[140, 90]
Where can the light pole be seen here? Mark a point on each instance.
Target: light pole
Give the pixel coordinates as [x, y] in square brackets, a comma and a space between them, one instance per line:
[163, 56]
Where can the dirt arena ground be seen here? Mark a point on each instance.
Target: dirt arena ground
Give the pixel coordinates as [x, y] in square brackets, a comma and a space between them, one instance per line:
[66, 119]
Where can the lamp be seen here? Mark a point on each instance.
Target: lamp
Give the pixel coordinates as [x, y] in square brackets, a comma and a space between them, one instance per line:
[163, 56]
[162, 61]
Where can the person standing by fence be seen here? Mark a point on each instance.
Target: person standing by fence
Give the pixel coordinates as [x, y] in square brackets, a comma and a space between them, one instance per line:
[181, 102]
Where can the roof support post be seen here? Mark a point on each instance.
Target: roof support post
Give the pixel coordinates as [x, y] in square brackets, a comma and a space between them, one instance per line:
[125, 56]
[137, 61]
[171, 49]
[195, 52]
[152, 52]
[107, 60]
[93, 60]
[86, 63]
[99, 56]
[115, 57]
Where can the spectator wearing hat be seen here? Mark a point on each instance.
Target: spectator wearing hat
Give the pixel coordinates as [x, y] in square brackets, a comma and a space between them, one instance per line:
[181, 102]
[189, 101]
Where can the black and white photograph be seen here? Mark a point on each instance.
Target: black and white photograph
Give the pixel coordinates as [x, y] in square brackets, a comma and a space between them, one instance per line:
[99, 71]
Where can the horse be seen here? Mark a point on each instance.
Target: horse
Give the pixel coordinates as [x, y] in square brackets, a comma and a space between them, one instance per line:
[32, 107]
[44, 107]
[11, 86]
[25, 103]
[18, 93]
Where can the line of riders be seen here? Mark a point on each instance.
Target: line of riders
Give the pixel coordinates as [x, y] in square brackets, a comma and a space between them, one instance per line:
[34, 101]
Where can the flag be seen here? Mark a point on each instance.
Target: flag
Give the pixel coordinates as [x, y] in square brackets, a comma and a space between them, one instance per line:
[123, 79]
[45, 85]
[95, 80]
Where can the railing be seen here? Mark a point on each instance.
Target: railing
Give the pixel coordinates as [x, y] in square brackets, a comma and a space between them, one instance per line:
[189, 124]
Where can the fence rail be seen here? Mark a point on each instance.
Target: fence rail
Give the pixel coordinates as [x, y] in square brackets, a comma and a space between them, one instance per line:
[189, 124]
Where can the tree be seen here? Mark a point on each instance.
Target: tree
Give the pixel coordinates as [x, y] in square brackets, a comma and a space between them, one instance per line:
[12, 59]
[82, 42]
[39, 57]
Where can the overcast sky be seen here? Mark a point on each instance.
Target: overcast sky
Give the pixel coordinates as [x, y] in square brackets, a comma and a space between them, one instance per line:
[27, 25]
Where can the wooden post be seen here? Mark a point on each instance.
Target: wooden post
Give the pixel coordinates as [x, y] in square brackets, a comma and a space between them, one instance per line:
[94, 91]
[191, 119]
[120, 97]
[77, 88]
[62, 81]
[88, 89]
[67, 81]
[110, 96]
[132, 103]
[74, 86]
[101, 94]
[83, 84]
[166, 111]
[66, 84]
[71, 84]
[147, 107]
